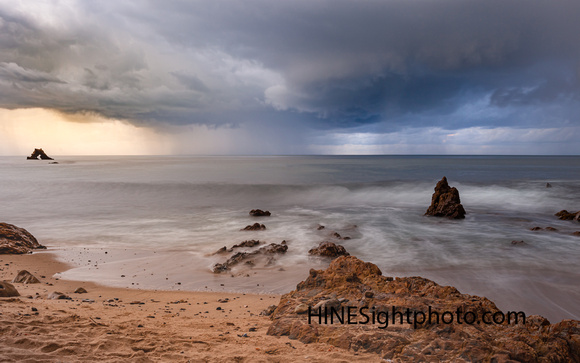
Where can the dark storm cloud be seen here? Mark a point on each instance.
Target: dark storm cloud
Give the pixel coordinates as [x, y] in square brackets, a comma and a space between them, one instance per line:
[332, 64]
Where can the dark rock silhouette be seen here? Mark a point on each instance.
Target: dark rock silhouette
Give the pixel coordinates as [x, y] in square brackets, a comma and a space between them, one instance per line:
[254, 227]
[39, 153]
[445, 202]
[350, 282]
[25, 277]
[15, 240]
[259, 213]
[565, 215]
[7, 289]
[548, 185]
[328, 249]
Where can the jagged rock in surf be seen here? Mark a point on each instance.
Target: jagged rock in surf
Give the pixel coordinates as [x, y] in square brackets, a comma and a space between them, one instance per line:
[15, 240]
[350, 282]
[38, 153]
[25, 277]
[250, 258]
[254, 227]
[259, 213]
[445, 202]
[329, 249]
[565, 215]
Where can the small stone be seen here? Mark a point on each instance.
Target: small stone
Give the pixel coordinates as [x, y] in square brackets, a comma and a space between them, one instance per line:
[301, 309]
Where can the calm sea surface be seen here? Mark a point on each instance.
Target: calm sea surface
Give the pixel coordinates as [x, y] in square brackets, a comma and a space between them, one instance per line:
[176, 211]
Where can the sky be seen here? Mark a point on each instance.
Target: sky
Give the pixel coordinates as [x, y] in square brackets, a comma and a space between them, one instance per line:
[290, 77]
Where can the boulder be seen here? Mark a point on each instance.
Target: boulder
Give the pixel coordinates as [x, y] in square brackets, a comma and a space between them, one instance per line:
[7, 289]
[259, 213]
[328, 249]
[81, 290]
[38, 153]
[565, 215]
[25, 277]
[15, 240]
[350, 285]
[254, 227]
[445, 202]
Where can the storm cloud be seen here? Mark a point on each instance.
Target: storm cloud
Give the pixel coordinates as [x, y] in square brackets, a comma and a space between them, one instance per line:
[325, 67]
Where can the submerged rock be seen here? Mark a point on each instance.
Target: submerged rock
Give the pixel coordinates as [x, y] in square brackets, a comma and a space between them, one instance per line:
[565, 215]
[328, 249]
[259, 213]
[7, 289]
[405, 305]
[38, 153]
[254, 227]
[15, 240]
[445, 202]
[519, 243]
[25, 277]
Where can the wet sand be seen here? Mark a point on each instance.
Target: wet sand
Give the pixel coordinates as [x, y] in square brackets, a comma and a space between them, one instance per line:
[119, 324]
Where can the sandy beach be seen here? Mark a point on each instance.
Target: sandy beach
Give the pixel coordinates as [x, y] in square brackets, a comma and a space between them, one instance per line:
[119, 324]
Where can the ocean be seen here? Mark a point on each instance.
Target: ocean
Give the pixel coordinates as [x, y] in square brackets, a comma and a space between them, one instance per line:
[156, 220]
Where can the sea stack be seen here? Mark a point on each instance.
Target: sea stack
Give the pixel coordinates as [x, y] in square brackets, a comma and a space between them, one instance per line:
[37, 153]
[445, 202]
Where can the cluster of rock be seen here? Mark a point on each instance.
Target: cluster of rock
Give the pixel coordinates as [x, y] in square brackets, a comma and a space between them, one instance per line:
[38, 153]
[15, 240]
[445, 202]
[250, 257]
[349, 281]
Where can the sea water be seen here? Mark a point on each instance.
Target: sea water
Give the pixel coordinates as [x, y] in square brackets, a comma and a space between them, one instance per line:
[157, 220]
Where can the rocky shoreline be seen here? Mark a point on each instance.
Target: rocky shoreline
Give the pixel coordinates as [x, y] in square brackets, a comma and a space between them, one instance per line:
[386, 317]
[360, 288]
